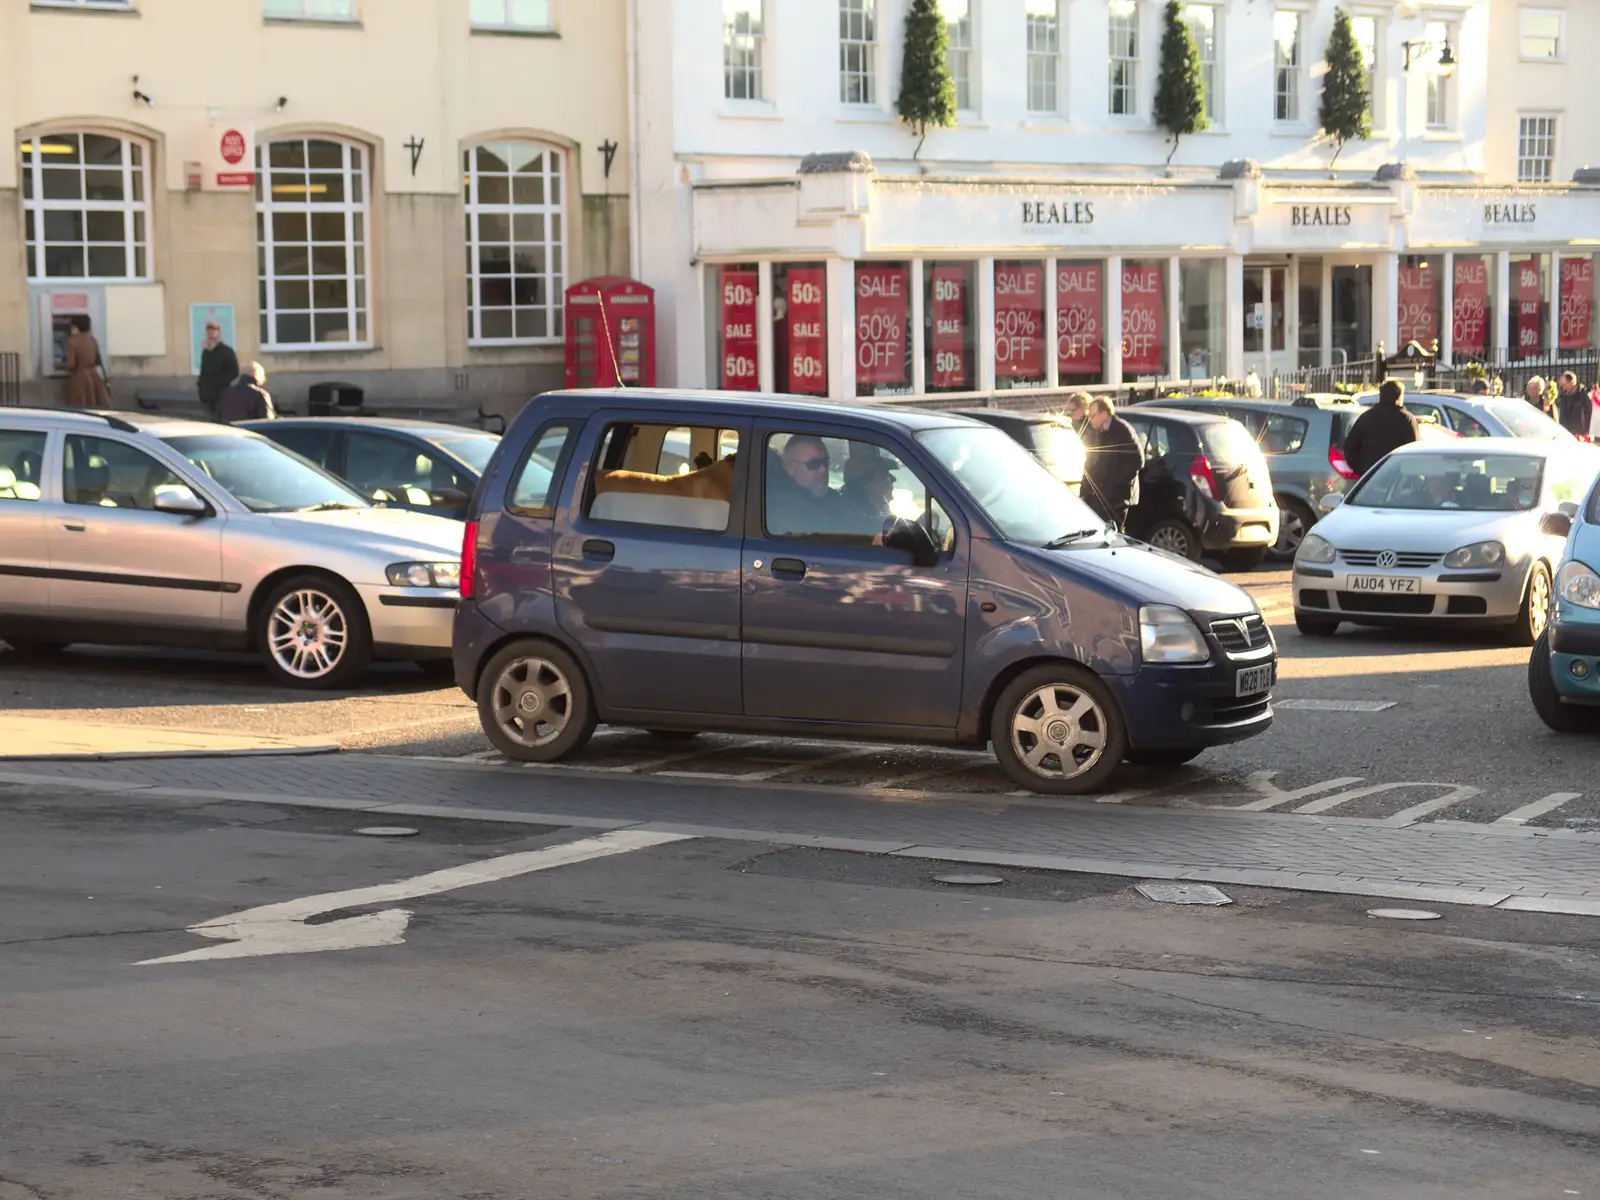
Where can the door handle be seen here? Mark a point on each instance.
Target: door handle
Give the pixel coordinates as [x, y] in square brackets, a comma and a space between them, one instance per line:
[74, 526]
[599, 551]
[788, 568]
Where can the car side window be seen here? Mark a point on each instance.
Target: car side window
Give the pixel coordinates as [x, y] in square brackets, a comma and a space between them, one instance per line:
[1252, 419]
[1155, 439]
[652, 475]
[844, 492]
[393, 469]
[1421, 408]
[21, 461]
[1282, 435]
[306, 441]
[1466, 425]
[102, 473]
[539, 476]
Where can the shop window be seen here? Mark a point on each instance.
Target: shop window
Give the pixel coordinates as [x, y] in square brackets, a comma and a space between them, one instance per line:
[1536, 149]
[519, 16]
[1472, 303]
[1019, 338]
[1044, 56]
[1080, 323]
[1441, 84]
[1202, 317]
[1351, 312]
[1125, 46]
[743, 39]
[309, 10]
[516, 234]
[1421, 282]
[311, 243]
[1205, 23]
[961, 53]
[1309, 313]
[731, 326]
[1577, 303]
[858, 51]
[1287, 59]
[85, 206]
[1144, 319]
[800, 327]
[948, 299]
[883, 329]
[1528, 309]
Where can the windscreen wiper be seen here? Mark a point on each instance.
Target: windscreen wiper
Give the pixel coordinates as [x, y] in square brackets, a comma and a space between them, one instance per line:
[331, 506]
[1077, 535]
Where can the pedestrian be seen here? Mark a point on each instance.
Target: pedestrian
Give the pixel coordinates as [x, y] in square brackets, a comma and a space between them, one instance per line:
[1573, 406]
[1114, 460]
[1078, 414]
[1480, 387]
[1533, 392]
[247, 399]
[219, 367]
[1383, 428]
[86, 380]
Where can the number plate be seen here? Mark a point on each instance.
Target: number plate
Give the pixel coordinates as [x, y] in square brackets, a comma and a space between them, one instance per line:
[1254, 680]
[1389, 585]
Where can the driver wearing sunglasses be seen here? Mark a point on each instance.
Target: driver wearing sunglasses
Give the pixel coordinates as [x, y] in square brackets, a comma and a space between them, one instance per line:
[805, 459]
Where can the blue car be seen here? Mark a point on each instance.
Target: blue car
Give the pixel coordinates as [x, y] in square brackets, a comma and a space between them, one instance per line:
[1564, 672]
[688, 561]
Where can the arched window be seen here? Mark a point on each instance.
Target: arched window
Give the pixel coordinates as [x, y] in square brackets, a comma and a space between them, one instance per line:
[312, 250]
[516, 241]
[86, 207]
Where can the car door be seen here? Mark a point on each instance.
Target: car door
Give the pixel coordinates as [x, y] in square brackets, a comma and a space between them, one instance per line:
[646, 564]
[24, 551]
[113, 558]
[837, 626]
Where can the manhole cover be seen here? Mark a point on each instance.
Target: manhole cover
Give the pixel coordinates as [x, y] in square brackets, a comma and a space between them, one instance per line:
[1183, 893]
[387, 831]
[969, 880]
[1403, 914]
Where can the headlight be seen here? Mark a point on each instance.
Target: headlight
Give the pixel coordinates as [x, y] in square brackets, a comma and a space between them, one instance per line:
[1167, 635]
[439, 574]
[1316, 549]
[1479, 554]
[1578, 584]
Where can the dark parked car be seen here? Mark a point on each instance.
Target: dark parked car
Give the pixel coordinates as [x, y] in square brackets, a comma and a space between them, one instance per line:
[426, 466]
[1051, 440]
[847, 571]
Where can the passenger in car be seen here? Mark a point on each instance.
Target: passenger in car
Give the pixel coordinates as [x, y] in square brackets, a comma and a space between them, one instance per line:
[868, 485]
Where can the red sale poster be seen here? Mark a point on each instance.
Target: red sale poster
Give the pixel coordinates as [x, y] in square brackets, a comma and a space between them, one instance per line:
[948, 337]
[1469, 317]
[1079, 305]
[807, 370]
[1018, 321]
[1419, 306]
[1530, 303]
[739, 329]
[1144, 307]
[881, 316]
[1577, 302]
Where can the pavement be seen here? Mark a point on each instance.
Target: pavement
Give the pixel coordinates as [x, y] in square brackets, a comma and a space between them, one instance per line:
[32, 738]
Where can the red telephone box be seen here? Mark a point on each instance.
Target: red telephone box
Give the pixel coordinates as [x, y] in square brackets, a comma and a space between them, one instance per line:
[611, 333]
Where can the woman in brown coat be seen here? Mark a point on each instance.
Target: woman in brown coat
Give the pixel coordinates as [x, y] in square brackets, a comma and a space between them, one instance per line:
[86, 388]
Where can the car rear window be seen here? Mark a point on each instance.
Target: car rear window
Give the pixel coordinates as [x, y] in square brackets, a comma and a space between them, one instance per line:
[1228, 442]
[1340, 428]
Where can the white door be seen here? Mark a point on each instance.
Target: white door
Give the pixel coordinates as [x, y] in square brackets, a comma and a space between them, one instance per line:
[1267, 346]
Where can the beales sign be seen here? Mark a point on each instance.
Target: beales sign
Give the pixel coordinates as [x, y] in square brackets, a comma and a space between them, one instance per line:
[1301, 221]
[1464, 216]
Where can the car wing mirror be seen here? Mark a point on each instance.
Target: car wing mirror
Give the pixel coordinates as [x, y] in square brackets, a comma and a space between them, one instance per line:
[1330, 502]
[912, 538]
[1556, 524]
[179, 498]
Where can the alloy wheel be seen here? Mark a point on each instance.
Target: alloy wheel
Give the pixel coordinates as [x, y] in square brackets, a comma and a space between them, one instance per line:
[532, 701]
[1059, 731]
[1538, 604]
[307, 633]
[1291, 532]
[1172, 539]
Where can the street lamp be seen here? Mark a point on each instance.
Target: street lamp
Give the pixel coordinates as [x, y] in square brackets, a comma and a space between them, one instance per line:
[1444, 67]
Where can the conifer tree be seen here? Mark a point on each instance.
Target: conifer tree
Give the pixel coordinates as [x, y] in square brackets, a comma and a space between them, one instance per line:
[927, 92]
[1346, 114]
[1181, 89]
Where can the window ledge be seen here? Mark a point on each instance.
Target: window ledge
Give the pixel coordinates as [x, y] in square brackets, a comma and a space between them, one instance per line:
[1542, 58]
[1287, 130]
[512, 343]
[856, 114]
[1040, 123]
[1442, 135]
[318, 22]
[44, 6]
[511, 31]
[749, 110]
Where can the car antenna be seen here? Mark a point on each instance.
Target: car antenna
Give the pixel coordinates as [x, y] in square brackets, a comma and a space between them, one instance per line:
[611, 343]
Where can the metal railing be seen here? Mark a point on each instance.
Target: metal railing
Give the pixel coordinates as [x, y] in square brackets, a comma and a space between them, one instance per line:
[10, 378]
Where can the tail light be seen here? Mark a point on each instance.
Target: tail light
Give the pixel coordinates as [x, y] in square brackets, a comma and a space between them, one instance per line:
[1204, 479]
[469, 559]
[1339, 463]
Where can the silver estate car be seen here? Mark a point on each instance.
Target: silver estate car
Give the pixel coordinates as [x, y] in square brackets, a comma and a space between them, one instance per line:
[1443, 533]
[155, 531]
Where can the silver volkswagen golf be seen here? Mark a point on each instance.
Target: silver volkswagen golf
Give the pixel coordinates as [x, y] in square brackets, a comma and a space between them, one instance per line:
[154, 531]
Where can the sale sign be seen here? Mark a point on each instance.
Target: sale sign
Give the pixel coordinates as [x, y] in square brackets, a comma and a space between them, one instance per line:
[1530, 307]
[1079, 306]
[947, 339]
[807, 368]
[1144, 307]
[881, 312]
[1469, 316]
[739, 368]
[1018, 321]
[1577, 302]
[1419, 306]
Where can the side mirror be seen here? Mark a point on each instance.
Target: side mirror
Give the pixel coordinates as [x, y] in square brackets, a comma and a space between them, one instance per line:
[913, 539]
[1330, 502]
[179, 498]
[1556, 524]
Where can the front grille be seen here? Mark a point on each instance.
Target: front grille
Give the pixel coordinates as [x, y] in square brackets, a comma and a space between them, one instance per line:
[1230, 712]
[1415, 606]
[1239, 634]
[1402, 558]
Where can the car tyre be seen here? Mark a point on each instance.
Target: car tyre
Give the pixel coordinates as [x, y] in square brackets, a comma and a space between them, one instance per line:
[1535, 612]
[1165, 758]
[1057, 729]
[1314, 626]
[1175, 537]
[312, 631]
[1243, 560]
[534, 702]
[1547, 702]
[1295, 520]
[31, 650]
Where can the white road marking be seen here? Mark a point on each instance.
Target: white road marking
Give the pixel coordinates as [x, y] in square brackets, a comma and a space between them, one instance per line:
[282, 929]
[1355, 706]
[1272, 795]
[1454, 793]
[1521, 816]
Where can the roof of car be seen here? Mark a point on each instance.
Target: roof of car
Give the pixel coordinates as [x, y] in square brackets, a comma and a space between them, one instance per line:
[1183, 415]
[160, 425]
[413, 425]
[756, 403]
[1479, 446]
[1321, 402]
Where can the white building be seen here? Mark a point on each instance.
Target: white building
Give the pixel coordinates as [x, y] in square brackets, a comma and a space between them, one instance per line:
[796, 244]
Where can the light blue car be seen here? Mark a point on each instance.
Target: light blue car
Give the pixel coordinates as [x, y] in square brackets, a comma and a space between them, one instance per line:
[1564, 672]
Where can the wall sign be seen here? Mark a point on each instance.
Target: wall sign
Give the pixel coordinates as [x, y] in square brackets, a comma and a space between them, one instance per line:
[1144, 306]
[1080, 306]
[1419, 305]
[807, 369]
[1512, 213]
[1469, 317]
[234, 149]
[1018, 320]
[881, 315]
[1058, 212]
[948, 337]
[1577, 302]
[740, 372]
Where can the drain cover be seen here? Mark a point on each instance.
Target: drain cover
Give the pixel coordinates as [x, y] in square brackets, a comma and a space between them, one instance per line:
[387, 831]
[1403, 914]
[969, 880]
[1183, 893]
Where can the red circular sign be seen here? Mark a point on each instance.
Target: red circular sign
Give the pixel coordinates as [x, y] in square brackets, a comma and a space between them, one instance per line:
[233, 147]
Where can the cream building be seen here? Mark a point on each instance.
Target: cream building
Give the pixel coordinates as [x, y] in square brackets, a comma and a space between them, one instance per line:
[1544, 126]
[389, 193]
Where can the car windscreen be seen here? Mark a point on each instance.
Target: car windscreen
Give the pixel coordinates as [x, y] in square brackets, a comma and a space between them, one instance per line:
[1228, 443]
[474, 449]
[1025, 502]
[263, 476]
[1441, 481]
[1525, 421]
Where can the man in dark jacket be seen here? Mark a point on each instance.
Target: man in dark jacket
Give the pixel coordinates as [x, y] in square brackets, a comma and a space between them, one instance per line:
[1384, 427]
[219, 366]
[1111, 474]
[247, 399]
[1573, 406]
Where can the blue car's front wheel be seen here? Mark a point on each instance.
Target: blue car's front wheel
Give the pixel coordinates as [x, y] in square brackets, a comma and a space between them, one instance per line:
[1547, 702]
